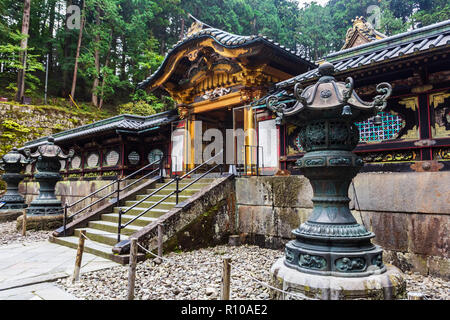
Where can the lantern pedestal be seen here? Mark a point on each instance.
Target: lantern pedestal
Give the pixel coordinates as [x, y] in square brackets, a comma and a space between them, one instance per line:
[48, 164]
[46, 203]
[388, 285]
[12, 198]
[13, 163]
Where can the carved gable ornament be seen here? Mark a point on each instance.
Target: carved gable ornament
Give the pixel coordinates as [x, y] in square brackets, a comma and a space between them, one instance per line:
[360, 33]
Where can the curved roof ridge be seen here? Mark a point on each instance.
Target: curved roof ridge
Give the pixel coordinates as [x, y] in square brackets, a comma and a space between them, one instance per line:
[224, 38]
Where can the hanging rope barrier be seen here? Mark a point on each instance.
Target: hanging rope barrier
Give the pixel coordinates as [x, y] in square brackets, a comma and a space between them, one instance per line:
[300, 296]
[176, 262]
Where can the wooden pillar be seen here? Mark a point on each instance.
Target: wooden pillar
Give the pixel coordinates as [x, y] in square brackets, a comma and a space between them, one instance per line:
[250, 139]
[190, 146]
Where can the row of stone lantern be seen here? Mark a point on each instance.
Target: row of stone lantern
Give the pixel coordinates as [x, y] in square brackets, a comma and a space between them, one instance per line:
[47, 158]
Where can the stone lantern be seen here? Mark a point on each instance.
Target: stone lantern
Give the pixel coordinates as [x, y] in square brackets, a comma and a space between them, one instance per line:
[332, 256]
[13, 163]
[47, 158]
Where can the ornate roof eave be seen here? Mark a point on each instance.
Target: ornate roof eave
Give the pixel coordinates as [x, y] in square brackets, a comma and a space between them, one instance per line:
[223, 39]
[132, 123]
[383, 51]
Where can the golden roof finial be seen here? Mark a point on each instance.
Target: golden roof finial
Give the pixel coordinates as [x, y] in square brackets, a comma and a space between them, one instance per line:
[196, 26]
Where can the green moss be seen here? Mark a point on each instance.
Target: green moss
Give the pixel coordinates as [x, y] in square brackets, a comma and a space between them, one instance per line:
[200, 232]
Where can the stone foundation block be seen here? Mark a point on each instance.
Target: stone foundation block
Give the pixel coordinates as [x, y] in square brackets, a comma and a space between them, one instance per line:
[10, 215]
[389, 285]
[41, 222]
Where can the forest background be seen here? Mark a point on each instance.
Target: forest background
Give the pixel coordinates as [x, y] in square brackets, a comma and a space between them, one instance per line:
[96, 66]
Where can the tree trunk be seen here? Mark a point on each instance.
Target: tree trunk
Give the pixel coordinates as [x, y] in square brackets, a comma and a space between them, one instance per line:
[75, 69]
[96, 61]
[23, 50]
[108, 54]
[123, 74]
[51, 28]
[66, 50]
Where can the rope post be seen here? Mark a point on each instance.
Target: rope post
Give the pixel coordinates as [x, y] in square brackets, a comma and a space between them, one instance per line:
[80, 249]
[226, 273]
[132, 268]
[24, 224]
[160, 243]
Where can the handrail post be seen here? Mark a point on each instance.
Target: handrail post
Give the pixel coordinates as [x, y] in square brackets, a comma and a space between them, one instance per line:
[118, 192]
[119, 225]
[177, 182]
[257, 161]
[65, 219]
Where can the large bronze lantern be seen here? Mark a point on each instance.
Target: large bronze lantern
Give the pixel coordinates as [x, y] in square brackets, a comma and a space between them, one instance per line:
[331, 243]
[13, 163]
[48, 164]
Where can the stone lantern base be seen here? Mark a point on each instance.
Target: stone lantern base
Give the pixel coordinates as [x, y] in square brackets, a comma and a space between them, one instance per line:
[388, 285]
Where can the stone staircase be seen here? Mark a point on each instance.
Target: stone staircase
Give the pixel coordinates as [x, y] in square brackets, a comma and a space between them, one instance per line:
[102, 234]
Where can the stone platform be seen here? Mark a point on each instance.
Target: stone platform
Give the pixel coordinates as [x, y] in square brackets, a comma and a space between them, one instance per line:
[41, 222]
[10, 214]
[389, 285]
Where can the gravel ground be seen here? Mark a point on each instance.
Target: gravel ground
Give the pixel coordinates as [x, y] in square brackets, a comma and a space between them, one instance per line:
[9, 235]
[188, 279]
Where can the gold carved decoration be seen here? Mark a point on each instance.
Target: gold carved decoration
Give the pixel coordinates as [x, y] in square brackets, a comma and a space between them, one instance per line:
[438, 98]
[216, 93]
[361, 32]
[442, 154]
[192, 55]
[400, 156]
[412, 134]
[183, 112]
[439, 129]
[410, 103]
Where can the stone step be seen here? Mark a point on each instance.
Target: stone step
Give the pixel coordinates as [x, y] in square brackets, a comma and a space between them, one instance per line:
[167, 205]
[166, 191]
[196, 185]
[155, 213]
[158, 197]
[93, 247]
[112, 227]
[188, 180]
[101, 236]
[141, 221]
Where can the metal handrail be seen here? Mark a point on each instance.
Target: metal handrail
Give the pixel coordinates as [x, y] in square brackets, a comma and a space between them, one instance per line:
[177, 179]
[117, 191]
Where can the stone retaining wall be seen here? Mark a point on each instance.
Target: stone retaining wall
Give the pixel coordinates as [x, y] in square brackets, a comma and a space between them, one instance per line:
[408, 212]
[22, 123]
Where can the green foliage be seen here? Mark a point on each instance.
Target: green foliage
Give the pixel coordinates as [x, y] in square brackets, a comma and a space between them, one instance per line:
[140, 108]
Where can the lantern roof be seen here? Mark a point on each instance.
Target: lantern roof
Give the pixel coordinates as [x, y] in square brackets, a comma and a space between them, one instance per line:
[13, 157]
